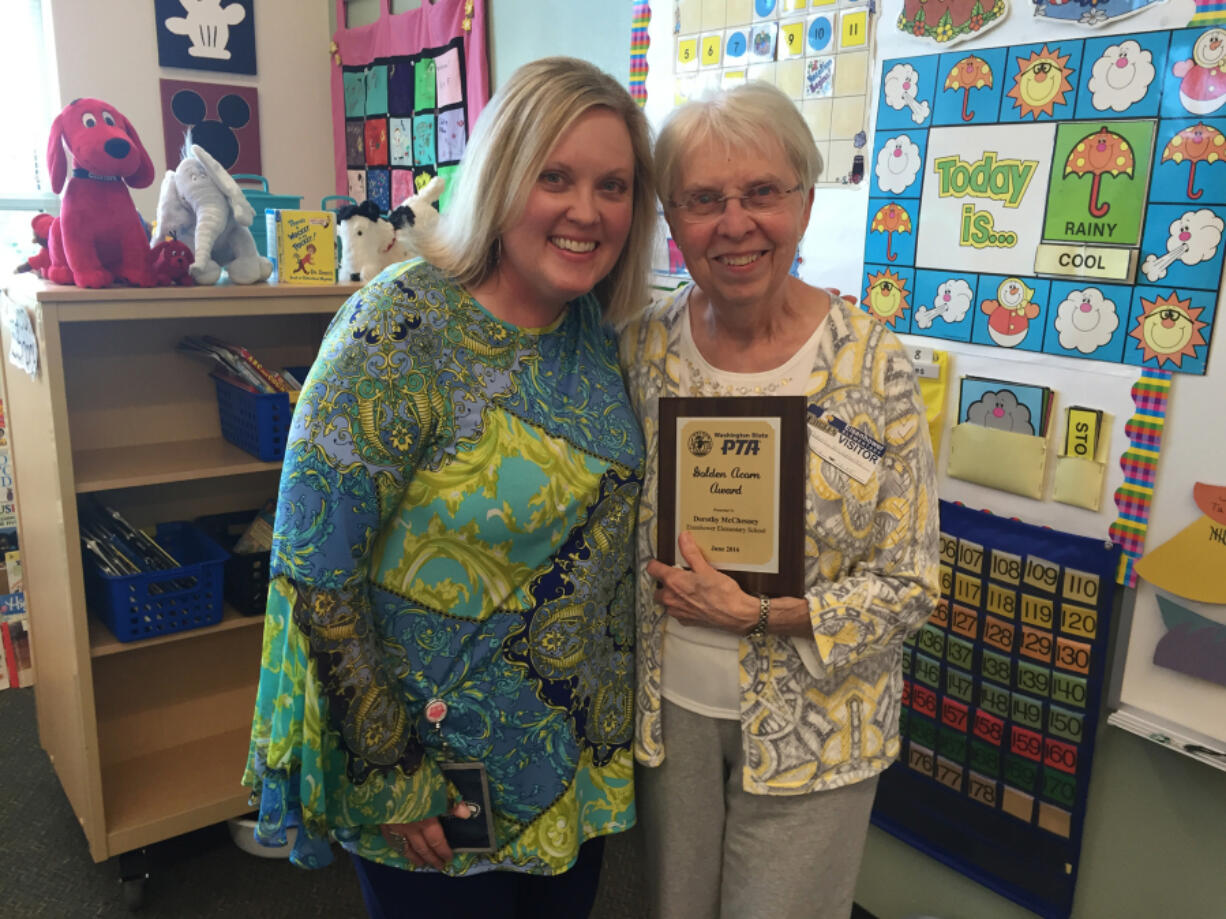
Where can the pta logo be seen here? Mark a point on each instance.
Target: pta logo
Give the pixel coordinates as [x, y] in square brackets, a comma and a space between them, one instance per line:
[749, 446]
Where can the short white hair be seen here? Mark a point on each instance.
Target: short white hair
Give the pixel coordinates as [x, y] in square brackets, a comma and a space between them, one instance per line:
[737, 119]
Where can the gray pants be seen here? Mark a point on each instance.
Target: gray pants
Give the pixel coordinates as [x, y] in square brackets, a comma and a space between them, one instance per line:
[715, 852]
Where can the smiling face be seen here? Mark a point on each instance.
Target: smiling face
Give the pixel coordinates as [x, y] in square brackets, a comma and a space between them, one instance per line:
[1169, 330]
[739, 259]
[1210, 48]
[1011, 294]
[886, 297]
[577, 216]
[1041, 83]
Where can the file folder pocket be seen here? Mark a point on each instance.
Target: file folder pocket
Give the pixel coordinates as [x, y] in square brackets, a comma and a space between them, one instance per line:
[1004, 460]
[1079, 482]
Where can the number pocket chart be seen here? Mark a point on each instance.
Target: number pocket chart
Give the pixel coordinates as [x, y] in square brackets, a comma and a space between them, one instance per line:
[818, 52]
[1072, 196]
[1001, 696]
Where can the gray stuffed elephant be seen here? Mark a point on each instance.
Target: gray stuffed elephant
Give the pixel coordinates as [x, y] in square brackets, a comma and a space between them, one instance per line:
[201, 205]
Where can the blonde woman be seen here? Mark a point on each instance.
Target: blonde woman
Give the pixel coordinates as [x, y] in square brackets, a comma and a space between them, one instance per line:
[763, 722]
[448, 660]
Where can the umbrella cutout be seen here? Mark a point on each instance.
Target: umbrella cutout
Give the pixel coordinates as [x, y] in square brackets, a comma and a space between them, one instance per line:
[1099, 154]
[969, 73]
[889, 220]
[1197, 144]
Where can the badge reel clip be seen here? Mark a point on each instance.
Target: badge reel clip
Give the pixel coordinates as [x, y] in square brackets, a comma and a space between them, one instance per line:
[476, 832]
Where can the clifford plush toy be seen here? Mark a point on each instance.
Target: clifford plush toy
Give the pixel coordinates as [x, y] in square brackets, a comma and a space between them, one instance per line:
[98, 237]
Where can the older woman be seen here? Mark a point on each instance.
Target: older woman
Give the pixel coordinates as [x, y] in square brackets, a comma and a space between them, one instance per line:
[447, 673]
[764, 721]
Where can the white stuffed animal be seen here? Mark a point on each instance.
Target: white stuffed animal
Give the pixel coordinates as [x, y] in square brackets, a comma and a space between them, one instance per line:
[416, 217]
[202, 206]
[368, 242]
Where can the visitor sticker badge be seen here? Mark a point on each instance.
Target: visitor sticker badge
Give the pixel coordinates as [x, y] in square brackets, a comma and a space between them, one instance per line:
[845, 447]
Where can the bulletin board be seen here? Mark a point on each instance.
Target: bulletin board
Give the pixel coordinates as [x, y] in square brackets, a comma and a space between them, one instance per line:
[1065, 197]
[406, 90]
[1001, 694]
[818, 52]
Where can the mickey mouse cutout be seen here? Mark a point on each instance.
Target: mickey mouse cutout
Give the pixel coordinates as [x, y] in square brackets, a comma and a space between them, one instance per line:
[223, 119]
[207, 24]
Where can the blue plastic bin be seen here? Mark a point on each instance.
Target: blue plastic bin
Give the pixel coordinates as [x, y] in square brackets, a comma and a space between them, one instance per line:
[140, 606]
[257, 422]
[261, 200]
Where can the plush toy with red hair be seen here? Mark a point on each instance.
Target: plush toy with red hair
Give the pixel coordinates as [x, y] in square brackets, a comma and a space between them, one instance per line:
[98, 237]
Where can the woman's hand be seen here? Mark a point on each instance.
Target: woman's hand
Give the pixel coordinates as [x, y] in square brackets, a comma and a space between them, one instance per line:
[850, 298]
[702, 595]
[422, 842]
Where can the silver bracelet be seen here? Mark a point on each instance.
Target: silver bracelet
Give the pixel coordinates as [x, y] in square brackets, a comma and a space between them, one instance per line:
[764, 611]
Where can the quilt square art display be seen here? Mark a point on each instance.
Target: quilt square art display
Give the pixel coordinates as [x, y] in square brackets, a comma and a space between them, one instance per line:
[406, 93]
[1065, 197]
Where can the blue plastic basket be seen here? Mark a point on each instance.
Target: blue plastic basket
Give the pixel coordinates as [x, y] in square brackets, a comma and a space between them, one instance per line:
[257, 422]
[157, 603]
[261, 200]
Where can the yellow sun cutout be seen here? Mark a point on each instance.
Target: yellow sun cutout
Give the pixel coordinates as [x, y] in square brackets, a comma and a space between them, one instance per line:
[1169, 329]
[1040, 83]
[886, 297]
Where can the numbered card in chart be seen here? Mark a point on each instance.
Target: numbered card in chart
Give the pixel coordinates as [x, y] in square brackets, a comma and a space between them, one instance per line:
[1000, 703]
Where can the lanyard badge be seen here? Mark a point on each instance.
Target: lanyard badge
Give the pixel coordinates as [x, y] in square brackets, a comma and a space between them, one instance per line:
[476, 832]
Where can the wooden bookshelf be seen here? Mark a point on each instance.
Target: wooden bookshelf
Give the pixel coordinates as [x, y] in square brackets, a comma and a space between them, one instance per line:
[148, 738]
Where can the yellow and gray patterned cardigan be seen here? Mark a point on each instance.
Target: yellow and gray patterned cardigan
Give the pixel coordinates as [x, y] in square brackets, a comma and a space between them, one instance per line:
[816, 713]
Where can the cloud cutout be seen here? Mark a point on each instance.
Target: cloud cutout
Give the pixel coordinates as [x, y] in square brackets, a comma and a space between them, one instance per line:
[1000, 410]
[1086, 320]
[953, 299]
[900, 86]
[1194, 238]
[898, 163]
[1121, 77]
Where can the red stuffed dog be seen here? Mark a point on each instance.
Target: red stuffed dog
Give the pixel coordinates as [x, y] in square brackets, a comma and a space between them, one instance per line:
[98, 236]
[171, 261]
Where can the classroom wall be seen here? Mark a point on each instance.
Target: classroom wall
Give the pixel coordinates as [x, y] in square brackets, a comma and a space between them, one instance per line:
[109, 51]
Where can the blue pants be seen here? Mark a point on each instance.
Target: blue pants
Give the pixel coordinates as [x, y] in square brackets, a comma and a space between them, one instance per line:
[393, 893]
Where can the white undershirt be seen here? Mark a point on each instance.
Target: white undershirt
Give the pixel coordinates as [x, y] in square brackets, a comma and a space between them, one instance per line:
[701, 670]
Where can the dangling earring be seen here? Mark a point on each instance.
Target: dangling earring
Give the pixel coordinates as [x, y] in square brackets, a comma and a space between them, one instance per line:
[496, 252]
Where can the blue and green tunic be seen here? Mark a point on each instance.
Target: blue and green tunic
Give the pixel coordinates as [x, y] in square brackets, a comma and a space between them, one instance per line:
[454, 521]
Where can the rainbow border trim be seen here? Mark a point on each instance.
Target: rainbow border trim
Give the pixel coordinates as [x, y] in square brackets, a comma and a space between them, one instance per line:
[639, 41]
[1140, 465]
[1208, 12]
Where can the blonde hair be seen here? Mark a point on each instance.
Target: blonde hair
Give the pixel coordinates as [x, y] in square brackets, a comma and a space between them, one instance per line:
[737, 119]
[512, 139]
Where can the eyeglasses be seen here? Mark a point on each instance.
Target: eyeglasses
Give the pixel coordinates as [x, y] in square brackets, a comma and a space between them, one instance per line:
[760, 199]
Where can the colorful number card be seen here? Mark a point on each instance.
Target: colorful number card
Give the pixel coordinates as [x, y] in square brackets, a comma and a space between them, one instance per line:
[1073, 196]
[817, 51]
[1001, 692]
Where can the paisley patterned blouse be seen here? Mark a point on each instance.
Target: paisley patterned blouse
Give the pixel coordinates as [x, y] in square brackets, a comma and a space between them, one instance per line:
[823, 713]
[455, 521]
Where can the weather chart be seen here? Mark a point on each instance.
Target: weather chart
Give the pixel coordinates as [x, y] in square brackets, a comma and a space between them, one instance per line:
[1064, 197]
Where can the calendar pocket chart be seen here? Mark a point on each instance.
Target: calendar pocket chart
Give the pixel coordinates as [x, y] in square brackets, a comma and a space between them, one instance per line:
[818, 52]
[1049, 178]
[1001, 695]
